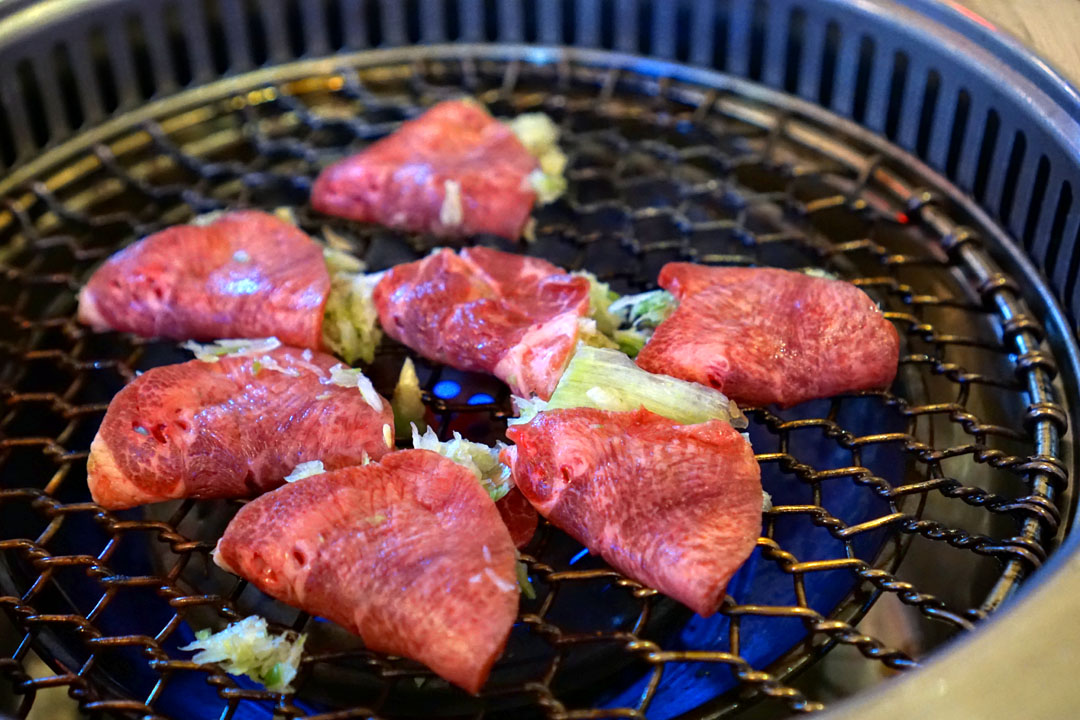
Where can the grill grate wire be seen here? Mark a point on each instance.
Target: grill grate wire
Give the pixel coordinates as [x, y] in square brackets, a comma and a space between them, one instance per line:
[660, 170]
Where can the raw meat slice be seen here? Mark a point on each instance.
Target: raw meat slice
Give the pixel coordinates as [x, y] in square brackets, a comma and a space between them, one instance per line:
[513, 316]
[520, 517]
[453, 171]
[409, 553]
[247, 274]
[676, 507]
[232, 428]
[765, 335]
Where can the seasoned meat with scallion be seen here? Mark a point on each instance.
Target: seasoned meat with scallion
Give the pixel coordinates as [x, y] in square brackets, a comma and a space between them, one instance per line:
[409, 553]
[234, 423]
[240, 274]
[765, 335]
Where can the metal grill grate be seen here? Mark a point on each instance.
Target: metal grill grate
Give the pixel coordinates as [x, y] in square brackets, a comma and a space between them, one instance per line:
[958, 467]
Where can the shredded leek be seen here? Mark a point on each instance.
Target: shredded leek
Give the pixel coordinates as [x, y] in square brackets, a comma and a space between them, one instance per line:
[601, 298]
[213, 352]
[642, 313]
[350, 321]
[207, 218]
[589, 334]
[540, 136]
[818, 273]
[645, 310]
[341, 261]
[608, 380]
[482, 460]
[305, 470]
[625, 323]
[354, 377]
[247, 648]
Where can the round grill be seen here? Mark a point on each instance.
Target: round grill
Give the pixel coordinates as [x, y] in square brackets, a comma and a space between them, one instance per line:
[935, 499]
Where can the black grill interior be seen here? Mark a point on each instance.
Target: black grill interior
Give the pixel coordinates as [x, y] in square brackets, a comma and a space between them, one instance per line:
[875, 493]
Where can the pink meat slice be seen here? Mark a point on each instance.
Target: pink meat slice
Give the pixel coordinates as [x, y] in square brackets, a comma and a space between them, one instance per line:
[408, 553]
[519, 516]
[401, 180]
[234, 428]
[765, 335]
[676, 507]
[488, 311]
[248, 274]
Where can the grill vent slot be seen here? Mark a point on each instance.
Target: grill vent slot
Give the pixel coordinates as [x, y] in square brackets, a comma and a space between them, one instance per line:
[298, 27]
[1056, 237]
[986, 153]
[33, 104]
[1071, 275]
[7, 141]
[927, 114]
[66, 86]
[794, 52]
[862, 78]
[896, 95]
[178, 49]
[961, 118]
[828, 63]
[107, 81]
[1035, 207]
[1012, 172]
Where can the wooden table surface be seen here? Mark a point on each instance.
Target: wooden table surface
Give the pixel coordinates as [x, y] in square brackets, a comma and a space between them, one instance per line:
[1050, 27]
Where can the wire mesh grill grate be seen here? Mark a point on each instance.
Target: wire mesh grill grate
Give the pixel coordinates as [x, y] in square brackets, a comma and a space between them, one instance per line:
[958, 459]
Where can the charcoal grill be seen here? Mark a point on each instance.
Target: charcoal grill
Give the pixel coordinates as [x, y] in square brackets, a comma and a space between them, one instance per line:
[898, 145]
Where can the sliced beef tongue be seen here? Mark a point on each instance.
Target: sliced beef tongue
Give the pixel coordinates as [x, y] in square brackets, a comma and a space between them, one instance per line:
[247, 274]
[765, 335]
[520, 517]
[409, 553]
[453, 171]
[676, 507]
[484, 310]
[231, 428]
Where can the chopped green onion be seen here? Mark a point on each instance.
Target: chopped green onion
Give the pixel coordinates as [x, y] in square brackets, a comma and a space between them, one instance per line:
[248, 648]
[645, 310]
[523, 580]
[631, 341]
[600, 299]
[608, 380]
[482, 460]
[407, 400]
[275, 676]
[589, 334]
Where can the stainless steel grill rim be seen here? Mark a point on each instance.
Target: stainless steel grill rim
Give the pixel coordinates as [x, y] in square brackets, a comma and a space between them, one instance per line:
[869, 172]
